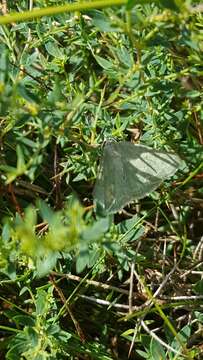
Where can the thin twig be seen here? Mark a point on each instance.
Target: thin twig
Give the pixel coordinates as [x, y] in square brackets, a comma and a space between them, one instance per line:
[174, 211]
[199, 128]
[198, 250]
[133, 340]
[184, 297]
[164, 258]
[154, 336]
[57, 179]
[63, 300]
[131, 288]
[30, 5]
[14, 200]
[190, 271]
[150, 302]
[94, 283]
[40, 81]
[104, 302]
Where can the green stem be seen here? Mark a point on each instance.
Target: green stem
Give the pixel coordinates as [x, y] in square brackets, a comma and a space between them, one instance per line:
[54, 10]
[7, 328]
[192, 174]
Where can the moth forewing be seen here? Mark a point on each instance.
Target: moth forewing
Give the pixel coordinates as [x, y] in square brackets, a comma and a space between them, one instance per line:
[114, 177]
[130, 172]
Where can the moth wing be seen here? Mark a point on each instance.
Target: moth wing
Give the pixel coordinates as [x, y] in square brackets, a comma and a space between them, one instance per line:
[146, 168]
[110, 190]
[129, 172]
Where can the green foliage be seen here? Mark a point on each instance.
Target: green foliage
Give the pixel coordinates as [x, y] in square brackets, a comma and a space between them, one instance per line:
[41, 337]
[62, 231]
[68, 82]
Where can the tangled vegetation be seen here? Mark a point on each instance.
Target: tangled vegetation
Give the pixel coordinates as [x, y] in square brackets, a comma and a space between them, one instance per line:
[76, 284]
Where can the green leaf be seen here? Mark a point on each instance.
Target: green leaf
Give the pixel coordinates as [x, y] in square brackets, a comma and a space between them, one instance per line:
[130, 231]
[21, 168]
[56, 94]
[45, 211]
[26, 93]
[130, 4]
[25, 232]
[46, 264]
[105, 64]
[54, 50]
[198, 287]
[24, 320]
[97, 230]
[157, 351]
[41, 302]
[82, 260]
[172, 4]
[101, 21]
[183, 336]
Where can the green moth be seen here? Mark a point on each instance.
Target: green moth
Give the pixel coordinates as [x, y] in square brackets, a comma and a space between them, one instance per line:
[129, 172]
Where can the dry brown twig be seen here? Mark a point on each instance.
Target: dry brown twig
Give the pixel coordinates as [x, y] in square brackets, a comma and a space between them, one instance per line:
[67, 307]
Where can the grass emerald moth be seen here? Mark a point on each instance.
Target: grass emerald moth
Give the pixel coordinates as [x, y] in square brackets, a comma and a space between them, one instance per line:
[129, 172]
